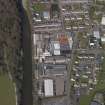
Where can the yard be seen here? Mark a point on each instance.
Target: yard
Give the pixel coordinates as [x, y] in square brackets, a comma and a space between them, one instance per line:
[100, 87]
[7, 92]
[38, 7]
[83, 40]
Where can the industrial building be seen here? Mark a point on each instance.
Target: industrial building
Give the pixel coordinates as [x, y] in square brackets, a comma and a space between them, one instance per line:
[55, 47]
[60, 85]
[48, 87]
[46, 15]
[61, 47]
[96, 34]
[52, 86]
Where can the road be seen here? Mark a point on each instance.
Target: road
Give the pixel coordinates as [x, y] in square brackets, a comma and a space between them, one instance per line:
[72, 1]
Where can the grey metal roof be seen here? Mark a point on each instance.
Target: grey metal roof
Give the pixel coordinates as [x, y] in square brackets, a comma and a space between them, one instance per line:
[95, 103]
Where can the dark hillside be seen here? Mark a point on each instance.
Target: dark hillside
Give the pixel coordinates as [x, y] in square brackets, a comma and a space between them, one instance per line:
[10, 36]
[11, 41]
[15, 48]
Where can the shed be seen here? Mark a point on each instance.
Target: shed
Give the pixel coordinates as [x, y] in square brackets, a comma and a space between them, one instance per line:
[48, 87]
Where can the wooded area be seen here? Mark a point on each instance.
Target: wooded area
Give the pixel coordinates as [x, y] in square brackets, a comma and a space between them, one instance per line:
[10, 37]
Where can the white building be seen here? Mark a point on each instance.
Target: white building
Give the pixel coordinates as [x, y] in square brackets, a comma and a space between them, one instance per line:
[55, 47]
[96, 34]
[103, 20]
[70, 42]
[103, 39]
[48, 87]
[46, 15]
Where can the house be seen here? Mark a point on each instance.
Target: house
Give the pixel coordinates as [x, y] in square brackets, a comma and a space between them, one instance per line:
[37, 17]
[95, 103]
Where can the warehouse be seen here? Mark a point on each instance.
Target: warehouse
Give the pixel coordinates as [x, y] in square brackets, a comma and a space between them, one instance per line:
[96, 34]
[48, 87]
[55, 47]
[53, 69]
[60, 86]
[64, 44]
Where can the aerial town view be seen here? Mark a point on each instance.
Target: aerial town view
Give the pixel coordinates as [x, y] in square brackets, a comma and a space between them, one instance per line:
[52, 52]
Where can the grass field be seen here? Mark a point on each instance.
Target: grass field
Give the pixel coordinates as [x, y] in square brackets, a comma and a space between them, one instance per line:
[7, 92]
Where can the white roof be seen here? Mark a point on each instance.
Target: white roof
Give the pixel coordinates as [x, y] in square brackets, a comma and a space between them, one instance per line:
[68, 28]
[91, 44]
[103, 20]
[34, 39]
[56, 46]
[56, 52]
[79, 18]
[96, 34]
[46, 15]
[63, 9]
[84, 85]
[85, 76]
[67, 18]
[37, 20]
[103, 39]
[70, 42]
[46, 54]
[48, 87]
[72, 79]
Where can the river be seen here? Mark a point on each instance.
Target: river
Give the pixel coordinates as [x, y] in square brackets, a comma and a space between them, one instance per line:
[26, 97]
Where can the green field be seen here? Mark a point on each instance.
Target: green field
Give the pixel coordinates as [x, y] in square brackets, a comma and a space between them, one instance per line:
[7, 92]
